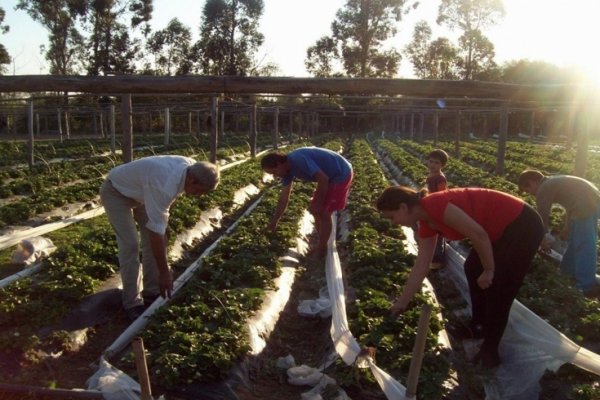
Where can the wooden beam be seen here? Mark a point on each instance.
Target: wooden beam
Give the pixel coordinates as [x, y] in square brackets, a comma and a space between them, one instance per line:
[284, 85]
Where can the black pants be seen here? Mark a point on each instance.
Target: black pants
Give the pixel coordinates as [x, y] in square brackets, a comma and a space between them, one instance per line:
[513, 253]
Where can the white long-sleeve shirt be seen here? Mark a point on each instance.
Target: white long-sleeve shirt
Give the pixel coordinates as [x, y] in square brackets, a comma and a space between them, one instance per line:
[155, 182]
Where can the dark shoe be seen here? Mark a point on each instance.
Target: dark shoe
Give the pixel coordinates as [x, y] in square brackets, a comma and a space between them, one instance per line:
[134, 313]
[461, 331]
[593, 293]
[148, 300]
[486, 359]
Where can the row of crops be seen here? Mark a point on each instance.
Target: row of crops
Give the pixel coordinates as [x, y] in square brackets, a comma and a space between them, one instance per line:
[202, 333]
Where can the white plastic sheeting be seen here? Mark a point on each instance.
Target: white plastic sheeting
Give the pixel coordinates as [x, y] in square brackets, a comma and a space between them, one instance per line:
[345, 344]
[529, 347]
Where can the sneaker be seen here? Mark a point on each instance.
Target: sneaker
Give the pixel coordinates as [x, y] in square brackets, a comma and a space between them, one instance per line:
[134, 313]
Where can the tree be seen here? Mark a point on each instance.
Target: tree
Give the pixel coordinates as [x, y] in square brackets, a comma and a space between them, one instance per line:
[437, 59]
[59, 17]
[480, 55]
[229, 36]
[4, 56]
[471, 17]
[111, 48]
[321, 57]
[171, 49]
[359, 31]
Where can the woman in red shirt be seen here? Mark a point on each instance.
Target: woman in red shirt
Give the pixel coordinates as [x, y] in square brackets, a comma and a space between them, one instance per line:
[505, 233]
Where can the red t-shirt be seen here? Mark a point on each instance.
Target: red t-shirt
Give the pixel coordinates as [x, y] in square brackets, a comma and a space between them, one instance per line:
[491, 209]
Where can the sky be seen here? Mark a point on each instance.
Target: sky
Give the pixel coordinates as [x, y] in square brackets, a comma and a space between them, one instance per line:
[561, 32]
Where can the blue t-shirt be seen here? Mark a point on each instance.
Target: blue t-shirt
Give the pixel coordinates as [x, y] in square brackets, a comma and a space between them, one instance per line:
[307, 161]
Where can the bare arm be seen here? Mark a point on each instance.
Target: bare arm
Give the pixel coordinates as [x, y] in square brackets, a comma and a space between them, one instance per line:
[461, 222]
[158, 243]
[320, 192]
[282, 203]
[417, 274]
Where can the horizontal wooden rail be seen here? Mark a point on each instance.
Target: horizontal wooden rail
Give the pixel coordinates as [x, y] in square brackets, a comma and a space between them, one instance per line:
[137, 84]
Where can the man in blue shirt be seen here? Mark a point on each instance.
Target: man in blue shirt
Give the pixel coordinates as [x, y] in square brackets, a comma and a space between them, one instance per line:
[333, 175]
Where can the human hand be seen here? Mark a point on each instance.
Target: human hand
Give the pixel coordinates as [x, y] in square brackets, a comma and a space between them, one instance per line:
[165, 284]
[485, 279]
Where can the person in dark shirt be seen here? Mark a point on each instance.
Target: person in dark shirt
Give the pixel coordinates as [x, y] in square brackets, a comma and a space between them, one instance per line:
[581, 201]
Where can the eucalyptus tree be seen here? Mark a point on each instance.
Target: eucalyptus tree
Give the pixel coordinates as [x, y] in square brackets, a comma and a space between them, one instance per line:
[321, 58]
[471, 17]
[4, 56]
[229, 36]
[171, 49]
[432, 59]
[359, 32]
[111, 48]
[65, 42]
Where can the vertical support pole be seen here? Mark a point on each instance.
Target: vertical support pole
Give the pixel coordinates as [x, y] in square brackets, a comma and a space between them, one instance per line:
[436, 127]
[457, 136]
[111, 122]
[421, 126]
[418, 350]
[502, 141]
[532, 124]
[583, 136]
[198, 129]
[167, 126]
[37, 124]
[142, 368]
[127, 124]
[189, 122]
[276, 128]
[412, 126]
[253, 132]
[222, 124]
[30, 129]
[59, 121]
[213, 128]
[67, 124]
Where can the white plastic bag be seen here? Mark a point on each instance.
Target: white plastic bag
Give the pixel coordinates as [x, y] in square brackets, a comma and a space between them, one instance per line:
[113, 383]
[30, 250]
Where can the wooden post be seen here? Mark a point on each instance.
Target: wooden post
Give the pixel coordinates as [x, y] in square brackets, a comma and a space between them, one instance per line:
[502, 141]
[421, 126]
[142, 368]
[167, 126]
[111, 123]
[276, 128]
[67, 124]
[583, 136]
[37, 124]
[198, 128]
[213, 128]
[532, 124]
[59, 121]
[222, 124]
[418, 350]
[412, 126]
[127, 124]
[485, 126]
[457, 136]
[30, 128]
[253, 133]
[436, 127]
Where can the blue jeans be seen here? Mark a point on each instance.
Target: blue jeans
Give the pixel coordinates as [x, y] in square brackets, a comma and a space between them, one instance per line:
[580, 258]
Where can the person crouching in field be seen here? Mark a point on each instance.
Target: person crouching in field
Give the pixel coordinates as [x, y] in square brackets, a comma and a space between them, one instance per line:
[333, 174]
[581, 200]
[505, 233]
[141, 192]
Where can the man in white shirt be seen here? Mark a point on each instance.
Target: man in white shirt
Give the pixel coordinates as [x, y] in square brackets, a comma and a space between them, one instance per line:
[142, 192]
